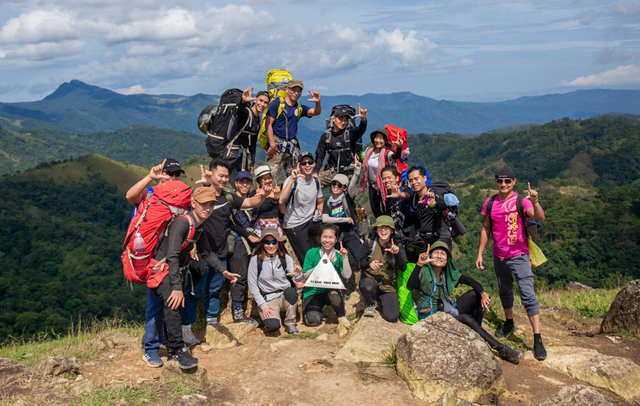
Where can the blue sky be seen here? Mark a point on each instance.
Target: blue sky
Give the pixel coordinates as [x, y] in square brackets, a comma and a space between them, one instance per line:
[457, 50]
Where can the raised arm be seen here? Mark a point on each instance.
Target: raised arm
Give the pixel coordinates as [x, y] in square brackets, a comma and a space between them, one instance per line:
[315, 98]
[134, 194]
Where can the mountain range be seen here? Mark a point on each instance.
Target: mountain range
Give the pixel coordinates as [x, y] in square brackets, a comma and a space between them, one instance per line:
[80, 108]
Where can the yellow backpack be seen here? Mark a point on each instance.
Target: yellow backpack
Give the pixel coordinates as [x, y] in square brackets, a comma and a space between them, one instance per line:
[277, 81]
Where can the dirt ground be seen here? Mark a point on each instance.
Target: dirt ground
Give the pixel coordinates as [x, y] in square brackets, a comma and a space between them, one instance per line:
[275, 370]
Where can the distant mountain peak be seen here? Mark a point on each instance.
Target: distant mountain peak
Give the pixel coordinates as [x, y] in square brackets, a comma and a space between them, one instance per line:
[77, 86]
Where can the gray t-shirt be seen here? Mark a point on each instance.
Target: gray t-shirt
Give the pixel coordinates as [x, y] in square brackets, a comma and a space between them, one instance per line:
[303, 205]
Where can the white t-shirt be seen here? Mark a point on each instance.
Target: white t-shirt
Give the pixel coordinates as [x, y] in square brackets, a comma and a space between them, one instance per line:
[303, 205]
[373, 169]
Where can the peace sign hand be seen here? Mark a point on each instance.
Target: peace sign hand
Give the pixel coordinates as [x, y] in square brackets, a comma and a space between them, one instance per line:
[356, 161]
[207, 177]
[156, 173]
[295, 172]
[394, 192]
[532, 194]
[246, 95]
[424, 258]
[394, 249]
[297, 270]
[362, 113]
[315, 96]
[343, 251]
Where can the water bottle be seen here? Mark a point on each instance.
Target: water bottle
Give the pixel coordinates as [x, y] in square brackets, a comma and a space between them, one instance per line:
[138, 243]
[405, 155]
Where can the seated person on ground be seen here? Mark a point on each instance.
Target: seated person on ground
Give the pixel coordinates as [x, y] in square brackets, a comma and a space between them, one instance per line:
[314, 299]
[379, 260]
[432, 281]
[271, 281]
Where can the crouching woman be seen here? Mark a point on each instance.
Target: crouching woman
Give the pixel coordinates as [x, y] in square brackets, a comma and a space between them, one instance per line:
[379, 260]
[271, 278]
[431, 283]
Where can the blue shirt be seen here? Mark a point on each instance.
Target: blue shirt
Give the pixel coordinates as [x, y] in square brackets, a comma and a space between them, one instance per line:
[292, 118]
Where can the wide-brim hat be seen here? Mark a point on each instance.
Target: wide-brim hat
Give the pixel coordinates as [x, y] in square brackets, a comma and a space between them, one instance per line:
[440, 245]
[261, 171]
[384, 221]
[383, 131]
[271, 231]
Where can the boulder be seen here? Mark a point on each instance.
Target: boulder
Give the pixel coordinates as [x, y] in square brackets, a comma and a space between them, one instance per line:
[578, 286]
[439, 353]
[59, 365]
[624, 313]
[8, 367]
[577, 395]
[371, 340]
[81, 385]
[113, 340]
[615, 374]
[450, 398]
[172, 374]
[221, 336]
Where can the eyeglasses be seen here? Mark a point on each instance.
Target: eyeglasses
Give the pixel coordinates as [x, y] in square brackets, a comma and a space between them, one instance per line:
[336, 183]
[307, 163]
[505, 181]
[269, 242]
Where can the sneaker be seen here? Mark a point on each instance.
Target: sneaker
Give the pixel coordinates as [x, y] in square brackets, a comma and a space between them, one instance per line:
[152, 359]
[163, 345]
[189, 339]
[245, 319]
[370, 311]
[184, 359]
[344, 321]
[509, 354]
[506, 330]
[539, 352]
[292, 329]
[212, 322]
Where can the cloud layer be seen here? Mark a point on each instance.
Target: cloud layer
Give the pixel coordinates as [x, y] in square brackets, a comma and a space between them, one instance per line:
[622, 75]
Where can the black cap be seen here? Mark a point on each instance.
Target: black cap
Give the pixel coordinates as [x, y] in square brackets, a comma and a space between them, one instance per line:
[262, 93]
[304, 154]
[171, 165]
[505, 172]
[341, 112]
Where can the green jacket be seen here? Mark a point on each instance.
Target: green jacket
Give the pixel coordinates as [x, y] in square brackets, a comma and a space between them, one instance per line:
[451, 274]
[310, 261]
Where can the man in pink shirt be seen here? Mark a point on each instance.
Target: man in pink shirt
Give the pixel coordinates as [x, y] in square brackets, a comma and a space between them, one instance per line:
[504, 219]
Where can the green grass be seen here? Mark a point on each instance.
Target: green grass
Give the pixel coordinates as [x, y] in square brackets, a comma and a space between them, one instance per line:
[119, 396]
[303, 335]
[78, 342]
[391, 357]
[590, 304]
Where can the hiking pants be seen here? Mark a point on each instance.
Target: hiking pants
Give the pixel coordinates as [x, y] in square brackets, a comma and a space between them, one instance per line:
[208, 287]
[375, 201]
[471, 314]
[239, 263]
[314, 304]
[154, 323]
[520, 268]
[389, 302]
[281, 160]
[287, 302]
[299, 238]
[172, 323]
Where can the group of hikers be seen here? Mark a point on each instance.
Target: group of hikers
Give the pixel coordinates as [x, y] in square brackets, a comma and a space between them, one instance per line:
[268, 241]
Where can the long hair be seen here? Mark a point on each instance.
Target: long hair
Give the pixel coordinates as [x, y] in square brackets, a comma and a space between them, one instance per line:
[389, 258]
[262, 254]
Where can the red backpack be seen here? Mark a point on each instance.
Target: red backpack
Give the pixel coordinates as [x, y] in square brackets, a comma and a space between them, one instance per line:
[168, 200]
[394, 134]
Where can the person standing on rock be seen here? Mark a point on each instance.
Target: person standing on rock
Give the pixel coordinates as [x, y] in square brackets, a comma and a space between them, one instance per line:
[432, 281]
[272, 280]
[379, 260]
[174, 253]
[505, 218]
[314, 299]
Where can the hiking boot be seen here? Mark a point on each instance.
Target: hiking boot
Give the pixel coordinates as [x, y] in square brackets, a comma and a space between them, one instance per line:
[509, 354]
[245, 319]
[184, 359]
[292, 329]
[189, 339]
[344, 321]
[539, 352]
[370, 311]
[506, 330]
[152, 359]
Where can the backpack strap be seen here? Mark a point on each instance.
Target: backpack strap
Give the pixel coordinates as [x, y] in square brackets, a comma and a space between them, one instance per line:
[295, 185]
[519, 208]
[283, 262]
[286, 119]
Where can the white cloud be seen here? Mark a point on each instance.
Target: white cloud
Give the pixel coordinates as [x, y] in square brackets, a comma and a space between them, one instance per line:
[626, 9]
[173, 24]
[136, 89]
[146, 50]
[45, 50]
[39, 26]
[629, 74]
[412, 50]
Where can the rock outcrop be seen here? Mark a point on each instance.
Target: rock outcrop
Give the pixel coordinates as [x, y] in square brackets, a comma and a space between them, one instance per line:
[59, 365]
[440, 353]
[615, 374]
[172, 374]
[624, 313]
[450, 398]
[222, 336]
[577, 395]
[371, 340]
[8, 367]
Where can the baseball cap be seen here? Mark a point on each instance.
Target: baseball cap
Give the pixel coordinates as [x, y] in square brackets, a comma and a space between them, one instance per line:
[204, 195]
[341, 112]
[343, 179]
[505, 172]
[243, 175]
[171, 165]
[304, 154]
[295, 83]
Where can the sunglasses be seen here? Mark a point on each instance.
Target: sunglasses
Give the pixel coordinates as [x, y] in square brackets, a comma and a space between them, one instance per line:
[270, 242]
[307, 163]
[174, 174]
[505, 181]
[336, 183]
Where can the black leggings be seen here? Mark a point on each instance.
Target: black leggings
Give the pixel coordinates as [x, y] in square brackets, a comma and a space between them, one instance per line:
[314, 304]
[239, 263]
[375, 201]
[389, 302]
[471, 314]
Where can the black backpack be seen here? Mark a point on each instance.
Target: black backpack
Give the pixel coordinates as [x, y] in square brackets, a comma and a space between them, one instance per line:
[450, 217]
[222, 125]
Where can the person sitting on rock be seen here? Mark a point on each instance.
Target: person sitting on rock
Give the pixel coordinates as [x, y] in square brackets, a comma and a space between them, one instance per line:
[379, 260]
[314, 299]
[272, 275]
[268, 213]
[432, 282]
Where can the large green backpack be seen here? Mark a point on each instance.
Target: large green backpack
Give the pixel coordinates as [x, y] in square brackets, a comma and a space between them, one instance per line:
[407, 311]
